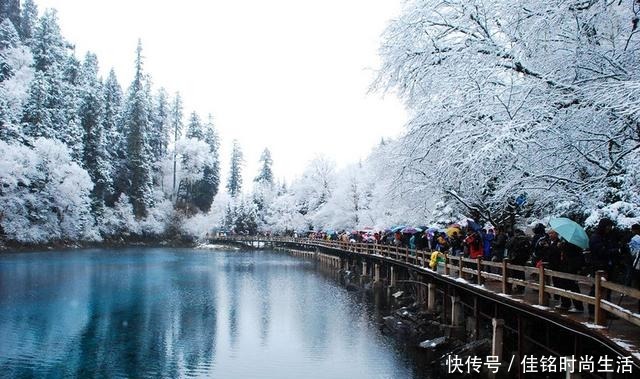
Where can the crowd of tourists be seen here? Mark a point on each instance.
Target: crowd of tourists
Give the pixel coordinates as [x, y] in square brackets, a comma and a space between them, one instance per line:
[614, 251]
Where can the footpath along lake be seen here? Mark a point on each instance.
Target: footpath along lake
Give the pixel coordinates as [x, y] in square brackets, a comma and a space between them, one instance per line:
[165, 312]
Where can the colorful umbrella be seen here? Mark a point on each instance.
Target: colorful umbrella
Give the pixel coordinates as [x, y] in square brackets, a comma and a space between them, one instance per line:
[571, 231]
[398, 228]
[452, 229]
[410, 230]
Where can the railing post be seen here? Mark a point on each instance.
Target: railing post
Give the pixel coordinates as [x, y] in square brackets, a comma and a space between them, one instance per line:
[431, 297]
[456, 311]
[406, 254]
[496, 341]
[542, 296]
[598, 316]
[506, 288]
[446, 263]
[460, 266]
[479, 270]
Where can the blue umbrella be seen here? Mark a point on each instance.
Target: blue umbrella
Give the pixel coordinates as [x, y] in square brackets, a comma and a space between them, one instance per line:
[473, 225]
[397, 228]
[571, 231]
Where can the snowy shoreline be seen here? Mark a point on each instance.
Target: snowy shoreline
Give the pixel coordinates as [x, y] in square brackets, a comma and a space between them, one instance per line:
[9, 248]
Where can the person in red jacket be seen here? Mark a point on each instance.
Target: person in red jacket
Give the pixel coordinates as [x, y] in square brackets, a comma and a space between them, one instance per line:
[473, 241]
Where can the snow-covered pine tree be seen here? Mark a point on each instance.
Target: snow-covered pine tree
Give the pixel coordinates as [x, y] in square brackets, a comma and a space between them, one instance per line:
[9, 39]
[96, 157]
[66, 108]
[194, 127]
[234, 184]
[206, 189]
[10, 9]
[265, 176]
[187, 183]
[51, 110]
[15, 75]
[28, 21]
[49, 46]
[159, 136]
[263, 191]
[114, 134]
[36, 118]
[177, 116]
[198, 193]
[137, 124]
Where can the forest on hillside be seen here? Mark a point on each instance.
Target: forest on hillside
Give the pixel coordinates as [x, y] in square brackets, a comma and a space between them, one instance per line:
[519, 111]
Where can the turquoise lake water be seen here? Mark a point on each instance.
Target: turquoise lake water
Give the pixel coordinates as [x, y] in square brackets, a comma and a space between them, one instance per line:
[175, 313]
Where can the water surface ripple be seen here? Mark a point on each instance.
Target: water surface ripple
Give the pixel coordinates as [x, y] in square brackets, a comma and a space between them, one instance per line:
[183, 313]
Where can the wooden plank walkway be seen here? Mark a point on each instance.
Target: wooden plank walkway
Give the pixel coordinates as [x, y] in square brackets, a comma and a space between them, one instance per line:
[617, 319]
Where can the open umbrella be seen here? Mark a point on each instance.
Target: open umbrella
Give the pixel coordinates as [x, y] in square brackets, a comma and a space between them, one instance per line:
[452, 230]
[410, 230]
[474, 226]
[571, 231]
[397, 228]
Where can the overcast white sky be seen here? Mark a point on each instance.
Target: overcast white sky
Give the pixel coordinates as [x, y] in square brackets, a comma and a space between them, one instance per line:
[291, 75]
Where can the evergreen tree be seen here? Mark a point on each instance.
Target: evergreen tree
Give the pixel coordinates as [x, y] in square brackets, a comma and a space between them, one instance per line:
[114, 135]
[159, 137]
[9, 39]
[10, 10]
[194, 127]
[206, 189]
[8, 35]
[54, 112]
[234, 185]
[96, 156]
[185, 194]
[28, 21]
[176, 126]
[241, 217]
[137, 124]
[198, 194]
[49, 47]
[36, 117]
[66, 108]
[265, 176]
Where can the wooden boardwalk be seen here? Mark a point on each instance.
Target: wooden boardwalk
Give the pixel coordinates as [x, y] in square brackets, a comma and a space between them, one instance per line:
[616, 319]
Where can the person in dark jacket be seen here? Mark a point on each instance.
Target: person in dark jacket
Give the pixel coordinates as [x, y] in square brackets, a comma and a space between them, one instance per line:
[456, 243]
[571, 262]
[498, 245]
[518, 251]
[604, 248]
[537, 251]
[605, 253]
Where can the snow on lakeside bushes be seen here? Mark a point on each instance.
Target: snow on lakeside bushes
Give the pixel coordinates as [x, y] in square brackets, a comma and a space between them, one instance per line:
[45, 197]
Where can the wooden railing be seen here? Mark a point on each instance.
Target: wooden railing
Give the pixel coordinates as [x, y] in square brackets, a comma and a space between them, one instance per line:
[537, 279]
